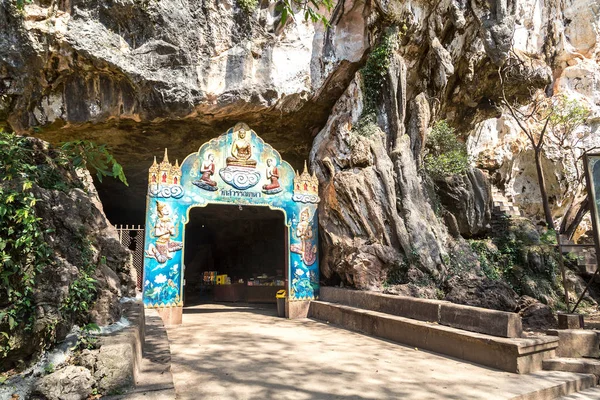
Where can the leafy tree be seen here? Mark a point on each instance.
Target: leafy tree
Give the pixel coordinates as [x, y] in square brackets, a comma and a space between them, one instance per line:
[310, 8]
[97, 158]
[542, 120]
[545, 120]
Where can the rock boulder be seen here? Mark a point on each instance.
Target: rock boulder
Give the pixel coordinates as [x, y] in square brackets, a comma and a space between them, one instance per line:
[469, 199]
[69, 383]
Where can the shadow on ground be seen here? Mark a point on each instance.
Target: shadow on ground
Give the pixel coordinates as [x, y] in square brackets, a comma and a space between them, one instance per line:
[239, 351]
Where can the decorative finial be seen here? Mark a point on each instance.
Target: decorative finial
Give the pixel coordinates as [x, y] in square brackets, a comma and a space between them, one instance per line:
[166, 157]
[306, 187]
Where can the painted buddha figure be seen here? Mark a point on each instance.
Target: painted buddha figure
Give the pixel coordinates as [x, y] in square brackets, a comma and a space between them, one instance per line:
[241, 150]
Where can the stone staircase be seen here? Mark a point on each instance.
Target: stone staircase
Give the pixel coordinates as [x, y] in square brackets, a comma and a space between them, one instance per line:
[486, 337]
[504, 208]
[585, 254]
[578, 351]
[501, 205]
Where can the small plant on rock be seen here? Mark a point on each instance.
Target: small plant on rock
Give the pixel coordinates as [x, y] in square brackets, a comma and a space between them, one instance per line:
[87, 339]
[445, 154]
[248, 5]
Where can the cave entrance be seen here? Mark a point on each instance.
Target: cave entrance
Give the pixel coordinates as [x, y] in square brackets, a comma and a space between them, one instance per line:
[238, 198]
[234, 254]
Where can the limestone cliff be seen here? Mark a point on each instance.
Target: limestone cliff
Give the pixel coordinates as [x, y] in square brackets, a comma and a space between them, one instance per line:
[142, 75]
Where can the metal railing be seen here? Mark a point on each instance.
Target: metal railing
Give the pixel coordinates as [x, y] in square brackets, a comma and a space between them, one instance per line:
[132, 237]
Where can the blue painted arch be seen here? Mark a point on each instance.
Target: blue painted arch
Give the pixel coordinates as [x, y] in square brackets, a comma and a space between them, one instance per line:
[233, 168]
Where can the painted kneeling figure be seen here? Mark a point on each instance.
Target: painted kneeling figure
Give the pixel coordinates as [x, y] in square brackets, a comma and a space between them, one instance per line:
[272, 174]
[207, 170]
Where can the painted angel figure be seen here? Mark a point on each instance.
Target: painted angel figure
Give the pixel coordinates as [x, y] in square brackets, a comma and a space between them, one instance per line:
[162, 250]
[304, 231]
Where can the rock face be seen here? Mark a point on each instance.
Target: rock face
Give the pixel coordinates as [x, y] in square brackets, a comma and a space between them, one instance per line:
[69, 383]
[144, 76]
[535, 315]
[79, 236]
[113, 367]
[469, 199]
[570, 48]
[482, 293]
[368, 214]
[141, 76]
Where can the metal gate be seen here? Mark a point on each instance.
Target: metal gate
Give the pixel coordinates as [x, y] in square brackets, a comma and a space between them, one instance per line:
[132, 237]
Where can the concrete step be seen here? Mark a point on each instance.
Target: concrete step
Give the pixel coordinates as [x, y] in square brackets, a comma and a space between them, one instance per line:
[510, 213]
[575, 385]
[155, 380]
[588, 394]
[576, 343]
[579, 365]
[468, 318]
[518, 355]
[587, 269]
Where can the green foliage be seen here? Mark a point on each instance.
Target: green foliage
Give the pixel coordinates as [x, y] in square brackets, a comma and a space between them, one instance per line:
[375, 70]
[24, 253]
[373, 78]
[566, 116]
[548, 237]
[310, 8]
[87, 154]
[366, 125]
[87, 339]
[248, 5]
[83, 291]
[490, 258]
[528, 266]
[49, 368]
[23, 250]
[456, 262]
[445, 154]
[21, 3]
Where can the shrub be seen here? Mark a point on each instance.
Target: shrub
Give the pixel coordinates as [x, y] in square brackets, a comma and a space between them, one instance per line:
[26, 166]
[248, 5]
[373, 78]
[445, 154]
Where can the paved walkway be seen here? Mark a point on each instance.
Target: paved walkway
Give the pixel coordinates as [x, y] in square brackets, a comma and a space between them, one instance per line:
[239, 352]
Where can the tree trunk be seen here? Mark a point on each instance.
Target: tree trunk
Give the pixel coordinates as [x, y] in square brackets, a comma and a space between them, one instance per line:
[549, 220]
[543, 192]
[573, 218]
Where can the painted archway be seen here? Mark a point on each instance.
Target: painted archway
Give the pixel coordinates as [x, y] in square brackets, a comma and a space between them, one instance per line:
[238, 168]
